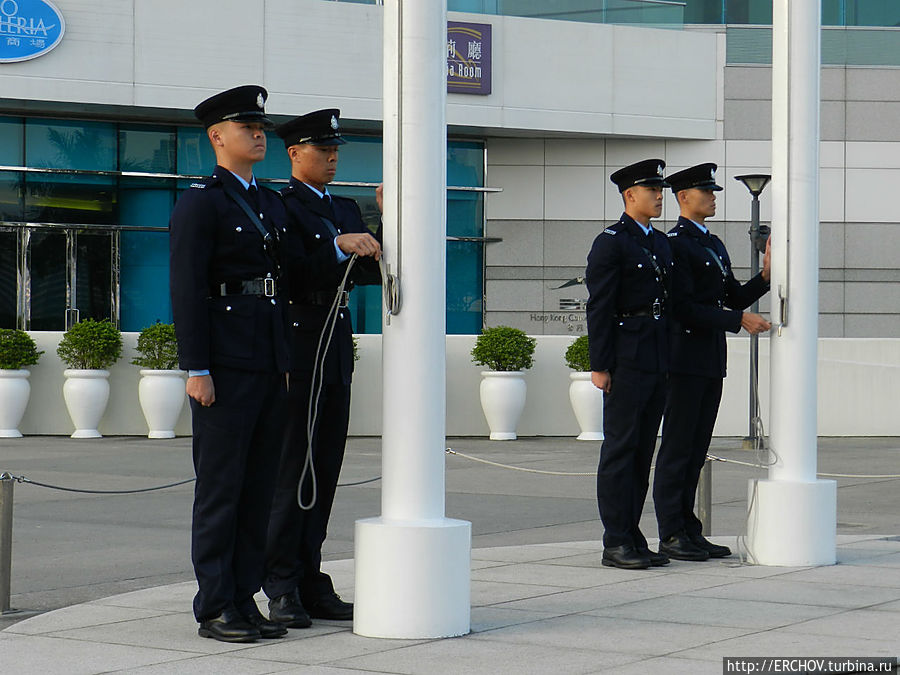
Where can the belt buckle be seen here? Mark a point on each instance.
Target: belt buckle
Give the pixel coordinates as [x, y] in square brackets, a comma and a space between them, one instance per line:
[657, 309]
[269, 287]
[345, 299]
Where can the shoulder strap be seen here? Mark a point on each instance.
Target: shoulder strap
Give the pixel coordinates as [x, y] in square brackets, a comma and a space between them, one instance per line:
[715, 257]
[269, 242]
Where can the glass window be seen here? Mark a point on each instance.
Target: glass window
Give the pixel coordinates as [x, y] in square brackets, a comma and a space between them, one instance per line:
[65, 198]
[12, 134]
[93, 275]
[704, 11]
[148, 149]
[47, 252]
[9, 280]
[144, 272]
[749, 11]
[58, 144]
[11, 206]
[195, 154]
[873, 13]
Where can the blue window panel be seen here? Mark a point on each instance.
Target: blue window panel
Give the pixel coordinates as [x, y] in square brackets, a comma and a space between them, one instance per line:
[465, 164]
[360, 160]
[144, 278]
[57, 144]
[149, 149]
[277, 164]
[145, 202]
[195, 154]
[12, 137]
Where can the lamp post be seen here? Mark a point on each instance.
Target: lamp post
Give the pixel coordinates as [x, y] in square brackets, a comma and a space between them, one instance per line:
[755, 183]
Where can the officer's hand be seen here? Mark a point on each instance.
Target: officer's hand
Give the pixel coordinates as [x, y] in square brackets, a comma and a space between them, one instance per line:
[201, 389]
[602, 380]
[379, 197]
[754, 323]
[767, 259]
[362, 244]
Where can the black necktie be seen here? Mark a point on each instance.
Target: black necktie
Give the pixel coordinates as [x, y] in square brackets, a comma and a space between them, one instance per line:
[253, 197]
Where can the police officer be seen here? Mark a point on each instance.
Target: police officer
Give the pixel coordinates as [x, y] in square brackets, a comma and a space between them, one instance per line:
[227, 302]
[627, 277]
[707, 301]
[295, 583]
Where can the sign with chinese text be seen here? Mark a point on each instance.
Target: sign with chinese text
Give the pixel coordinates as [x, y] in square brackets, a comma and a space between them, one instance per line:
[28, 29]
[468, 58]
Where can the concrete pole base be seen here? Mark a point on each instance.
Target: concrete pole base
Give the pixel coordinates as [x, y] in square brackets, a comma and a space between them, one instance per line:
[412, 578]
[792, 524]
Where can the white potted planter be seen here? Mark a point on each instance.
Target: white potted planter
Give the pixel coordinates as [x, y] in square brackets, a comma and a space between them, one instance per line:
[586, 399]
[88, 348]
[86, 392]
[502, 400]
[507, 352]
[587, 404]
[17, 349]
[14, 393]
[161, 390]
[161, 393]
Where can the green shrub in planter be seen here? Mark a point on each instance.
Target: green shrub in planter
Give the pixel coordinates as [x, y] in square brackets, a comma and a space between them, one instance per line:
[17, 349]
[504, 348]
[578, 357]
[90, 345]
[157, 347]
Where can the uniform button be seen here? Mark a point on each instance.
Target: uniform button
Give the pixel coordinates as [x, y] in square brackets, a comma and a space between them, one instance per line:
[261, 216]
[339, 231]
[290, 302]
[342, 315]
[238, 229]
[318, 236]
[640, 266]
[707, 263]
[273, 301]
[269, 275]
[621, 323]
[227, 308]
[296, 324]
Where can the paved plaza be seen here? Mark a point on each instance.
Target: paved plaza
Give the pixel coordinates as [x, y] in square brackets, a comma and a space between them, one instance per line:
[104, 581]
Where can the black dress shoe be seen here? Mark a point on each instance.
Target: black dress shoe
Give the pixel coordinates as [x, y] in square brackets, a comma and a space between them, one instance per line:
[229, 626]
[714, 550]
[656, 559]
[680, 547]
[288, 610]
[267, 629]
[625, 557]
[331, 607]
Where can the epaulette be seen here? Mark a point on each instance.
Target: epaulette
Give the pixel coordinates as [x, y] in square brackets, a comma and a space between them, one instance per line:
[199, 186]
[609, 230]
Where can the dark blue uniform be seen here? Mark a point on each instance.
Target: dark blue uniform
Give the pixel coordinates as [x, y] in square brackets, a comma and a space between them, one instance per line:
[294, 549]
[242, 339]
[707, 301]
[627, 279]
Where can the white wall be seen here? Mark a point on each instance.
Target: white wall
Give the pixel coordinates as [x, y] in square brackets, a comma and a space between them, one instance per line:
[548, 75]
[859, 386]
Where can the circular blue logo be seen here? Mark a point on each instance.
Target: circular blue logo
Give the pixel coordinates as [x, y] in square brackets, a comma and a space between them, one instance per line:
[28, 29]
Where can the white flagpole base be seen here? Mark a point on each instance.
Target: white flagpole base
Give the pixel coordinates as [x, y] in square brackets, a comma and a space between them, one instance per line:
[412, 578]
[792, 524]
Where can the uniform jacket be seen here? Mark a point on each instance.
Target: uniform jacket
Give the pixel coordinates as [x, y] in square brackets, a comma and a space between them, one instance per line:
[707, 301]
[621, 279]
[307, 210]
[211, 241]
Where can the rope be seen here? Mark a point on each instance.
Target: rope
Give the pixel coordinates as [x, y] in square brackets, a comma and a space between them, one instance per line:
[451, 451]
[716, 458]
[23, 479]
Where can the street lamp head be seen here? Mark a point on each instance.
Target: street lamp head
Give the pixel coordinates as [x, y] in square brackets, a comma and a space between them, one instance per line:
[755, 182]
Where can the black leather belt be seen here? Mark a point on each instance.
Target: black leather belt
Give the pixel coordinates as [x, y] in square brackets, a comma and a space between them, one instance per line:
[322, 298]
[655, 310]
[265, 287]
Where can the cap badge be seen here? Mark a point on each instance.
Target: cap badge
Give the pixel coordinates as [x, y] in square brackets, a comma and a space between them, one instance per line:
[334, 122]
[260, 101]
[712, 174]
[659, 170]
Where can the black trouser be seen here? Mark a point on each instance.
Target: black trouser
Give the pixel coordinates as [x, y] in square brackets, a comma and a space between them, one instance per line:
[236, 447]
[631, 415]
[692, 404]
[294, 548]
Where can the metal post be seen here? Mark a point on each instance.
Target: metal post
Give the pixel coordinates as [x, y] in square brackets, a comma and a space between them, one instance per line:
[704, 497]
[6, 514]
